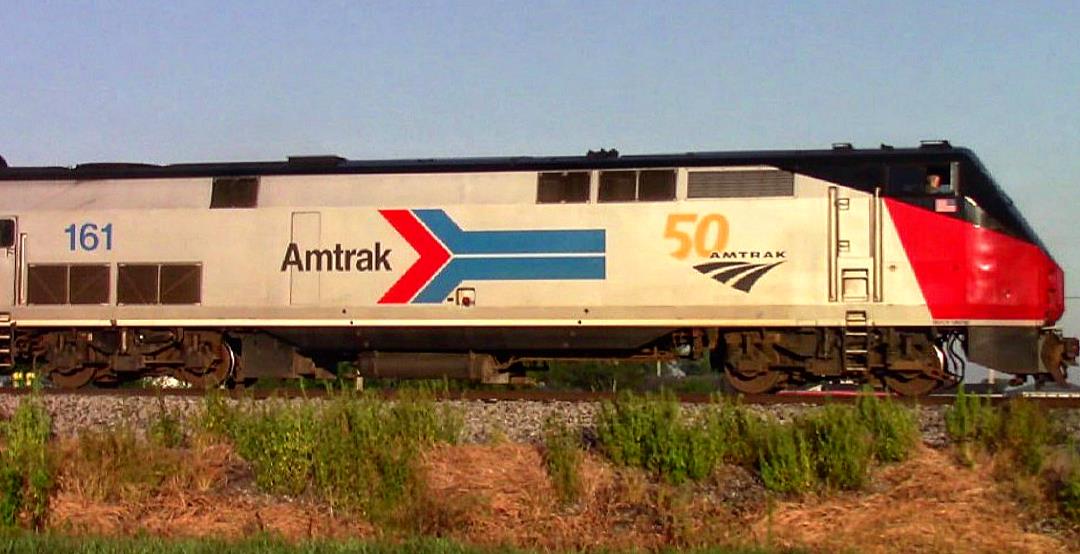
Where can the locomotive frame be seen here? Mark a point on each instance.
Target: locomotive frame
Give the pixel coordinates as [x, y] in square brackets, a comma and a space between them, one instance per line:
[786, 267]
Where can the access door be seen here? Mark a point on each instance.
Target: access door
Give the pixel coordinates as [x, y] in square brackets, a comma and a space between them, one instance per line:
[854, 246]
[306, 235]
[9, 261]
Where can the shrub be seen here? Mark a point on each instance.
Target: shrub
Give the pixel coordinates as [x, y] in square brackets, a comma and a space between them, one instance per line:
[841, 446]
[730, 430]
[165, 428]
[1025, 433]
[562, 458]
[652, 434]
[971, 421]
[784, 459]
[894, 428]
[1068, 490]
[279, 444]
[25, 475]
[355, 452]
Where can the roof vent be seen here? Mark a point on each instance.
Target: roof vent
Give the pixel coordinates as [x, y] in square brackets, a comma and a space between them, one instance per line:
[602, 154]
[842, 146]
[886, 146]
[939, 144]
[3, 162]
[328, 160]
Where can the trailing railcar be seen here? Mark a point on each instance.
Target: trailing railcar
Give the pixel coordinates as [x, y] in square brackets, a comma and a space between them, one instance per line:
[882, 266]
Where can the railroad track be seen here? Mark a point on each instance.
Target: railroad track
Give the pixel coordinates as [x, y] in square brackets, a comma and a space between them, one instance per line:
[1048, 400]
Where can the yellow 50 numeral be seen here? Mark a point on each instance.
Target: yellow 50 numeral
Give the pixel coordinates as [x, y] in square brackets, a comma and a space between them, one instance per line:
[709, 226]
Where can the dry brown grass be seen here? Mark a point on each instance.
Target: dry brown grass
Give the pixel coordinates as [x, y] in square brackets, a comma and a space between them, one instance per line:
[501, 495]
[204, 491]
[517, 505]
[927, 504]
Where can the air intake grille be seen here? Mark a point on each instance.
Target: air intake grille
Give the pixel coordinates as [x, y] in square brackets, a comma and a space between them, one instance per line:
[741, 184]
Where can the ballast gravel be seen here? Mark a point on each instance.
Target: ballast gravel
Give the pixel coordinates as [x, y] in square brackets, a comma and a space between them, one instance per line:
[484, 421]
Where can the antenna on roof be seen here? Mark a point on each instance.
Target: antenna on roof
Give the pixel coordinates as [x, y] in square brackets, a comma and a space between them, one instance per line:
[937, 143]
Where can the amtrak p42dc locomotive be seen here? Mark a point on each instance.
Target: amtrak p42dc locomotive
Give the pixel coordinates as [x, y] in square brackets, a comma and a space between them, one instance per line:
[884, 266]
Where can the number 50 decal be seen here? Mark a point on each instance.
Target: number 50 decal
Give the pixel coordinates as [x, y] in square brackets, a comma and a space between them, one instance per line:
[704, 234]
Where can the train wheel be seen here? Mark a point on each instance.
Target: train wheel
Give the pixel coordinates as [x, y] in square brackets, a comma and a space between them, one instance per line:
[216, 367]
[72, 378]
[916, 385]
[758, 383]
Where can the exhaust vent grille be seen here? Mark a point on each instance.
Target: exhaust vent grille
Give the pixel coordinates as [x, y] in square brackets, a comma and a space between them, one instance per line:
[741, 184]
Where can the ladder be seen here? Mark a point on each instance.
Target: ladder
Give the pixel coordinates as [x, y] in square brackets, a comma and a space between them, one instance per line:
[7, 347]
[856, 341]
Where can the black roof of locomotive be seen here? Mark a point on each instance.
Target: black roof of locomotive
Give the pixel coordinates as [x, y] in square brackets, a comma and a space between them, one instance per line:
[604, 159]
[863, 169]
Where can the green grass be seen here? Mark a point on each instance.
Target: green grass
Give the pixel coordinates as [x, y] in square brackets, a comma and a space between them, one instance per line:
[841, 445]
[562, 459]
[893, 428]
[652, 433]
[26, 477]
[785, 461]
[833, 447]
[357, 452]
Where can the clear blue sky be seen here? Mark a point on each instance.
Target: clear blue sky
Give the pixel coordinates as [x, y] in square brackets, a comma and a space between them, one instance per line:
[199, 81]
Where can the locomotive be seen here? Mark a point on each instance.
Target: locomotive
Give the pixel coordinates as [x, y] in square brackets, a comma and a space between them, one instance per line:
[884, 266]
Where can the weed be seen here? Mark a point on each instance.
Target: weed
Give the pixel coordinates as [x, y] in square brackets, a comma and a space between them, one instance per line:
[165, 428]
[113, 464]
[25, 474]
[970, 422]
[562, 458]
[356, 452]
[784, 459]
[730, 430]
[651, 433]
[894, 428]
[1025, 433]
[279, 444]
[1068, 490]
[842, 446]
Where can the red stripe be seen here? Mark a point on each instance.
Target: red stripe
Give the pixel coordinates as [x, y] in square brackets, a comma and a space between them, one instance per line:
[433, 256]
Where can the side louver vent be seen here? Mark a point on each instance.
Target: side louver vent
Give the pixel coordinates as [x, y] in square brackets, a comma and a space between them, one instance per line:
[741, 184]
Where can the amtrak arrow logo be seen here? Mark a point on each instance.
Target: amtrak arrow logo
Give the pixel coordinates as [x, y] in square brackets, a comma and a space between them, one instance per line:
[747, 273]
[449, 255]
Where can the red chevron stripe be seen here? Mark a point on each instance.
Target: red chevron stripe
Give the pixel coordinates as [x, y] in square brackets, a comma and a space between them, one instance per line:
[433, 256]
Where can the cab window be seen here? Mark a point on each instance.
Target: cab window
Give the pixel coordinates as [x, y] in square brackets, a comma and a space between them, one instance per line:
[922, 180]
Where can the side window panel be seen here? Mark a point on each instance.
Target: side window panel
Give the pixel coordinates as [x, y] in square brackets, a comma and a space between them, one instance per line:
[235, 192]
[563, 188]
[7, 233]
[617, 186]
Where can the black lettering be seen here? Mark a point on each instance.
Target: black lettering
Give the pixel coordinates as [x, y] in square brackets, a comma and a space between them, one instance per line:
[714, 255]
[728, 255]
[781, 253]
[319, 256]
[292, 257]
[337, 258]
[381, 257]
[363, 260]
[348, 258]
[755, 255]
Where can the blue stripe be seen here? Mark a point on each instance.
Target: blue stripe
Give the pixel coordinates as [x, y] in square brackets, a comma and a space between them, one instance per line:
[585, 241]
[508, 269]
